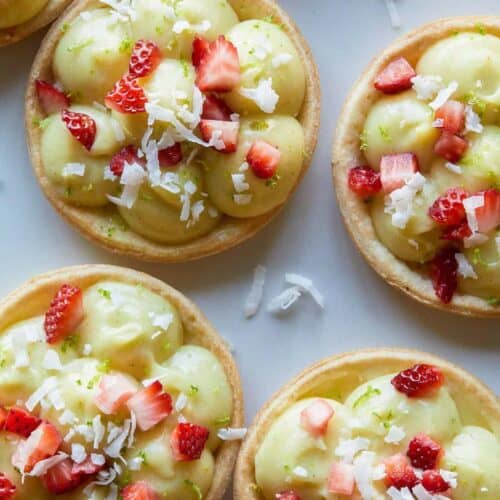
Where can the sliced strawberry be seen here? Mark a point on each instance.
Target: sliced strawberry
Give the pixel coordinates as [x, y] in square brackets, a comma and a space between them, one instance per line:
[219, 67]
[443, 270]
[61, 478]
[223, 134]
[418, 381]
[364, 181]
[449, 210]
[21, 422]
[139, 491]
[288, 495]
[170, 157]
[188, 441]
[150, 405]
[396, 77]
[51, 99]
[457, 233]
[488, 216]
[263, 159]
[3, 417]
[424, 452]
[127, 96]
[113, 392]
[81, 126]
[65, 313]
[453, 115]
[450, 147]
[341, 479]
[215, 109]
[127, 155]
[399, 473]
[200, 48]
[316, 416]
[433, 482]
[7, 489]
[86, 468]
[145, 58]
[396, 170]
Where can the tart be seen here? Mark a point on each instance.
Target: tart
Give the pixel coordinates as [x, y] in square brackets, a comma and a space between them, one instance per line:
[112, 384]
[374, 424]
[415, 165]
[171, 130]
[20, 18]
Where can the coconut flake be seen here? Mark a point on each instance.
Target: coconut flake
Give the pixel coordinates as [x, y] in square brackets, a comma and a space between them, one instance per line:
[86, 431]
[47, 386]
[264, 95]
[97, 459]
[43, 466]
[403, 494]
[439, 123]
[73, 169]
[135, 463]
[347, 449]
[113, 450]
[254, 298]
[98, 429]
[56, 399]
[108, 174]
[281, 60]
[395, 435]
[242, 199]
[196, 210]
[78, 453]
[51, 360]
[117, 130]
[161, 320]
[450, 477]
[393, 14]
[285, 300]
[232, 434]
[363, 474]
[472, 121]
[452, 167]
[123, 8]
[465, 269]
[306, 285]
[127, 198]
[444, 95]
[471, 204]
[87, 349]
[69, 436]
[68, 418]
[427, 87]
[181, 402]
[239, 183]
[300, 471]
[183, 25]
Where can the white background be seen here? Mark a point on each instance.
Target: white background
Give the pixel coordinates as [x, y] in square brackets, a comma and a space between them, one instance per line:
[308, 237]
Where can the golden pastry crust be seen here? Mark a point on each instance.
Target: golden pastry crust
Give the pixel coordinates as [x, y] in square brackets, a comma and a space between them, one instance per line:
[346, 154]
[230, 232]
[46, 16]
[31, 299]
[349, 368]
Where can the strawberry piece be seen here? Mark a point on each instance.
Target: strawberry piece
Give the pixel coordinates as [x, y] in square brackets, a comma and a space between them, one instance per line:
[127, 96]
[170, 157]
[341, 479]
[200, 48]
[396, 77]
[114, 391]
[399, 473]
[424, 452]
[453, 115]
[316, 416]
[433, 482]
[225, 134]
[145, 58]
[62, 478]
[396, 170]
[51, 99]
[188, 441]
[127, 155]
[418, 381]
[215, 109]
[86, 468]
[139, 491]
[7, 489]
[443, 270]
[218, 69]
[450, 147]
[3, 417]
[150, 405]
[488, 216]
[263, 159]
[288, 495]
[65, 313]
[21, 422]
[449, 209]
[457, 233]
[81, 126]
[364, 181]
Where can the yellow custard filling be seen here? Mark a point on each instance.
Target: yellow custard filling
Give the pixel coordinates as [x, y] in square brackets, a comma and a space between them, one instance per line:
[15, 12]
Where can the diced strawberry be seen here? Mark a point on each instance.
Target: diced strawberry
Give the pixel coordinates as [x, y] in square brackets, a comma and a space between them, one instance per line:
[21, 422]
[488, 216]
[61, 478]
[65, 313]
[453, 115]
[7, 489]
[457, 233]
[424, 452]
[341, 479]
[127, 96]
[443, 270]
[288, 495]
[219, 67]
[188, 441]
[364, 181]
[200, 48]
[449, 210]
[396, 77]
[450, 147]
[399, 473]
[316, 416]
[170, 157]
[145, 58]
[86, 468]
[263, 159]
[396, 170]
[81, 126]
[418, 381]
[225, 134]
[51, 99]
[139, 491]
[433, 482]
[3, 417]
[127, 155]
[150, 405]
[215, 109]
[113, 392]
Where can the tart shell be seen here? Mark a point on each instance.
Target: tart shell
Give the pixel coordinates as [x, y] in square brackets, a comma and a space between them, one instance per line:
[32, 298]
[346, 154]
[230, 232]
[348, 368]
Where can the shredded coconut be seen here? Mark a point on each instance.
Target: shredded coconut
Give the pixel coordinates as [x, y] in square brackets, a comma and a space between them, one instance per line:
[43, 466]
[97, 459]
[181, 402]
[395, 435]
[231, 434]
[452, 167]
[108, 174]
[427, 87]
[68, 417]
[306, 285]
[300, 471]
[163, 321]
[254, 299]
[117, 130]
[402, 494]
[285, 300]
[444, 95]
[281, 60]
[471, 204]
[363, 474]
[51, 360]
[264, 95]
[87, 349]
[347, 449]
[74, 169]
[472, 121]
[47, 386]
[242, 199]
[78, 453]
[450, 477]
[465, 268]
[239, 183]
[182, 25]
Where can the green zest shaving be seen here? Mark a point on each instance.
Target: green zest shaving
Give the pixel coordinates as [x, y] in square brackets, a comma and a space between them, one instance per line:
[368, 394]
[194, 487]
[105, 293]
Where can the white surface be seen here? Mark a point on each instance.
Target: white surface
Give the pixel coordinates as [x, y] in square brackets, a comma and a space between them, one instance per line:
[308, 237]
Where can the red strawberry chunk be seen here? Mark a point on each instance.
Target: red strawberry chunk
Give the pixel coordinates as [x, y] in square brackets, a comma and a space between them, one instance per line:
[215, 109]
[418, 381]
[424, 452]
[396, 77]
[453, 115]
[86, 468]
[450, 147]
[341, 479]
[288, 495]
[433, 482]
[81, 126]
[396, 170]
[457, 233]
[127, 155]
[364, 181]
[139, 491]
[51, 99]
[188, 441]
[3, 417]
[21, 422]
[200, 48]
[170, 157]
[263, 159]
[127, 96]
[65, 313]
[316, 416]
[150, 405]
[7, 489]
[488, 216]
[443, 270]
[113, 392]
[62, 478]
[449, 209]
[224, 135]
[399, 473]
[219, 67]
[145, 58]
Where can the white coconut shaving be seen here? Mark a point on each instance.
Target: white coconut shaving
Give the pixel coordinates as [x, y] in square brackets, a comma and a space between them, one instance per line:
[347, 449]
[242, 199]
[68, 418]
[285, 300]
[239, 183]
[402, 494]
[363, 465]
[263, 95]
[163, 321]
[180, 402]
[471, 204]
[465, 268]
[473, 121]
[114, 448]
[51, 360]
[87, 349]
[108, 174]
[97, 459]
[183, 25]
[78, 453]
[43, 466]
[395, 435]
[427, 87]
[306, 285]
[452, 167]
[444, 95]
[99, 430]
[450, 477]
[124, 8]
[393, 14]
[232, 434]
[48, 385]
[77, 169]
[117, 130]
[281, 60]
[254, 298]
[300, 471]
